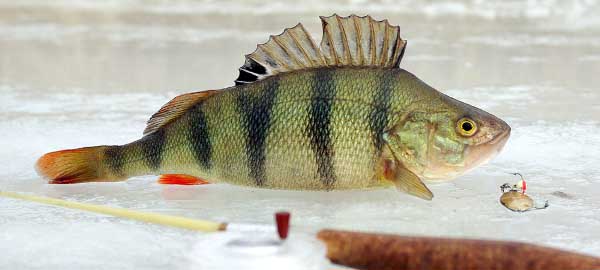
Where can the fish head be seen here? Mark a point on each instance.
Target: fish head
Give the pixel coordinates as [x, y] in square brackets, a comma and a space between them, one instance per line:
[448, 141]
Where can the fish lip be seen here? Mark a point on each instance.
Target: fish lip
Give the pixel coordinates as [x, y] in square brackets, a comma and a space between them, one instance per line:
[500, 137]
[490, 149]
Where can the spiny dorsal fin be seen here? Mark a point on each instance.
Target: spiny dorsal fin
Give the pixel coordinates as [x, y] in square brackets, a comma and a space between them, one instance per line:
[361, 41]
[347, 41]
[175, 108]
[293, 49]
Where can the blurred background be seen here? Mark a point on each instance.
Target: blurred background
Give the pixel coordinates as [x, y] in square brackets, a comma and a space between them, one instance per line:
[75, 73]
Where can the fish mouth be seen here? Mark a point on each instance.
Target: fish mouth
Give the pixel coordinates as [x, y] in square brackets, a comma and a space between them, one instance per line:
[501, 138]
[480, 154]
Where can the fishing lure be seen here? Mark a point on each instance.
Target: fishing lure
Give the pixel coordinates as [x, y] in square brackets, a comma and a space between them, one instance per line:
[515, 199]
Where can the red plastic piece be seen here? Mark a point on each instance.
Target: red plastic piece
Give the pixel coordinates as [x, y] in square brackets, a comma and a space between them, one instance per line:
[283, 224]
[524, 186]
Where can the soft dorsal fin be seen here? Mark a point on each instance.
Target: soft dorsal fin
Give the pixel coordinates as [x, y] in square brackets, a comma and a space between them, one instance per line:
[175, 108]
[347, 41]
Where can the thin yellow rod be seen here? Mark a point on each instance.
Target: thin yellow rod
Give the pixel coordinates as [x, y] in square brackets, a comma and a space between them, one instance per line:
[175, 221]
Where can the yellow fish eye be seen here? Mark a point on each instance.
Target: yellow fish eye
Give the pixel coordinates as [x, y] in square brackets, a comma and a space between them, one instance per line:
[466, 127]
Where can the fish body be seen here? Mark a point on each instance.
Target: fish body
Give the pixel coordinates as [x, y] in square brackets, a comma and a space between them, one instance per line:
[338, 120]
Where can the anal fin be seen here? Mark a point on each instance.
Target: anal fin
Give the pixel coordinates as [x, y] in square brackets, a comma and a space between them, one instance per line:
[181, 179]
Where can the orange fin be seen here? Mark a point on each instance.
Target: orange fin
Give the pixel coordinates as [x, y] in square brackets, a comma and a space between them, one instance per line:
[175, 108]
[181, 179]
[71, 166]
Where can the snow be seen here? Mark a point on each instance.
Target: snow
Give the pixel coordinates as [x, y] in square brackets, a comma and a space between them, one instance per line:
[95, 79]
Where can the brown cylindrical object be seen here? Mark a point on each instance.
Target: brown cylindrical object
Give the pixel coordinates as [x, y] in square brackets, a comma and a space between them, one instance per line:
[381, 251]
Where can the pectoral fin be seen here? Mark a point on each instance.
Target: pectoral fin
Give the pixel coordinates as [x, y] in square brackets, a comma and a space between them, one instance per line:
[408, 182]
[405, 180]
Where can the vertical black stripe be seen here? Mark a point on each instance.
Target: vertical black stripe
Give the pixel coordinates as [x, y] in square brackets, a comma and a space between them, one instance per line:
[199, 138]
[256, 120]
[378, 117]
[152, 146]
[114, 157]
[318, 129]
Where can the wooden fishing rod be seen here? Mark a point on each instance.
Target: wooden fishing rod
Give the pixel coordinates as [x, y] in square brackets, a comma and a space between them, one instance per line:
[393, 252]
[371, 251]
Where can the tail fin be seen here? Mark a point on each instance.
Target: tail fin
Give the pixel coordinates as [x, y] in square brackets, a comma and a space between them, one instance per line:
[73, 165]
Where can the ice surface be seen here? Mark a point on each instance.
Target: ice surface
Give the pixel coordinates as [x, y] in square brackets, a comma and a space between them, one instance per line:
[258, 251]
[80, 73]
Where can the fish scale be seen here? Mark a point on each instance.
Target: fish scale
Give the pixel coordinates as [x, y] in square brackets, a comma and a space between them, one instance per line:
[291, 121]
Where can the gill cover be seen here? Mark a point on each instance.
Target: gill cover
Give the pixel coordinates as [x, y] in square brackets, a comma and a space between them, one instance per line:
[390, 168]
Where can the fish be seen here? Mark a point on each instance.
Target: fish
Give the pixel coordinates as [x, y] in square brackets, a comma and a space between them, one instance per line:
[341, 115]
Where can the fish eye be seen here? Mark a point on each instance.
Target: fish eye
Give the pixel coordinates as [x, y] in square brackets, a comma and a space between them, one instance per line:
[466, 127]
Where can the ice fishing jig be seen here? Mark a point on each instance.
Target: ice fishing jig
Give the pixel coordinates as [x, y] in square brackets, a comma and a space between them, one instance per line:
[515, 198]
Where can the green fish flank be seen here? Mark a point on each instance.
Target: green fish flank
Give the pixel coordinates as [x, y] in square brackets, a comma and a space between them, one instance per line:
[281, 140]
